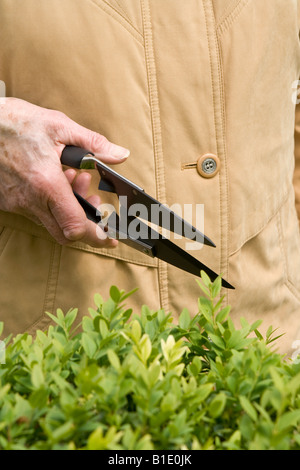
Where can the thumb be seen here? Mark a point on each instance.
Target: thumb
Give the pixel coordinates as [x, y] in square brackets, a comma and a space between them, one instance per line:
[106, 151]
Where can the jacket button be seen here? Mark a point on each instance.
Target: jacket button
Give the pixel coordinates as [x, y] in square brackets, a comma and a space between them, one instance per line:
[208, 165]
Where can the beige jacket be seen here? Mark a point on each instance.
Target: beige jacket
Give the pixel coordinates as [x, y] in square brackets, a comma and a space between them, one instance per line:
[171, 80]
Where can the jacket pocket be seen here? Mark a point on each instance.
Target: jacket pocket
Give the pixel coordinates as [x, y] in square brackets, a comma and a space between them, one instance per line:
[29, 268]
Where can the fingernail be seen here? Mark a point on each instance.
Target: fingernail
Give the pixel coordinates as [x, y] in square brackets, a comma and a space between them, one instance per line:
[119, 152]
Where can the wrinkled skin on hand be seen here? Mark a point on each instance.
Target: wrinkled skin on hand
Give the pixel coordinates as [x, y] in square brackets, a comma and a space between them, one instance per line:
[32, 181]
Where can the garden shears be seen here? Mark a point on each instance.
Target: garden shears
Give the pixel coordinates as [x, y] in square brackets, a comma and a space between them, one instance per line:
[146, 239]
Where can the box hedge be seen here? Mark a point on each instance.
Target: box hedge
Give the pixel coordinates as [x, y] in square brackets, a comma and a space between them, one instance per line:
[140, 381]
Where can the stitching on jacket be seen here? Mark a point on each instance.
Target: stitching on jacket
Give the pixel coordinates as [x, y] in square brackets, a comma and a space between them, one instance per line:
[120, 18]
[226, 22]
[51, 287]
[53, 277]
[116, 257]
[281, 244]
[122, 9]
[231, 5]
[217, 87]
[156, 132]
[264, 224]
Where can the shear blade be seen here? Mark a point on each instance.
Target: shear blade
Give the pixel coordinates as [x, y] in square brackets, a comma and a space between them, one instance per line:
[153, 211]
[167, 251]
[154, 244]
[162, 216]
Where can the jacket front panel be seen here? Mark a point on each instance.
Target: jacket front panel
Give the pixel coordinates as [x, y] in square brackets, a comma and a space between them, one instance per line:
[259, 43]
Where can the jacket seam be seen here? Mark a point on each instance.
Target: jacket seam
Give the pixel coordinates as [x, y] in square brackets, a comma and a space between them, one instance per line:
[217, 87]
[52, 278]
[120, 18]
[51, 287]
[228, 20]
[116, 257]
[261, 228]
[157, 135]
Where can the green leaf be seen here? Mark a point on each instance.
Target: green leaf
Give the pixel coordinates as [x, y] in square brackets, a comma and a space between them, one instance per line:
[58, 320]
[289, 419]
[217, 340]
[63, 431]
[206, 309]
[37, 376]
[103, 328]
[204, 289]
[4, 391]
[136, 330]
[195, 367]
[88, 345]
[203, 391]
[113, 359]
[71, 317]
[184, 319]
[115, 294]
[223, 314]
[248, 407]
[205, 279]
[124, 296]
[217, 405]
[98, 300]
[39, 398]
[145, 347]
[216, 287]
[22, 407]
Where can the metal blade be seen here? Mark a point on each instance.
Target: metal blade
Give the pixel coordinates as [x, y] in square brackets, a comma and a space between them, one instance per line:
[162, 216]
[153, 244]
[167, 251]
[155, 212]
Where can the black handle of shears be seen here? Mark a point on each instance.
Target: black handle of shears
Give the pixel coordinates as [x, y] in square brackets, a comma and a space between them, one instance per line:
[72, 157]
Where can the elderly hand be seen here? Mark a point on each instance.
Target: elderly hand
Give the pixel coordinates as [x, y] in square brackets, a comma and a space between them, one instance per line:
[32, 182]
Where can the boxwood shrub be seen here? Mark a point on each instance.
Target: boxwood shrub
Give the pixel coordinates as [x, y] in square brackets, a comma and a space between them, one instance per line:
[135, 381]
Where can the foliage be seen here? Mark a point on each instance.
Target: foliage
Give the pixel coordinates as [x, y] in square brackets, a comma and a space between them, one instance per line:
[125, 381]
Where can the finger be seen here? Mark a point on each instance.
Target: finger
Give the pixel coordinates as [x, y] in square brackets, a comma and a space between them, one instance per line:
[95, 201]
[98, 237]
[82, 183]
[71, 133]
[81, 186]
[70, 174]
[69, 222]
[50, 224]
[94, 236]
